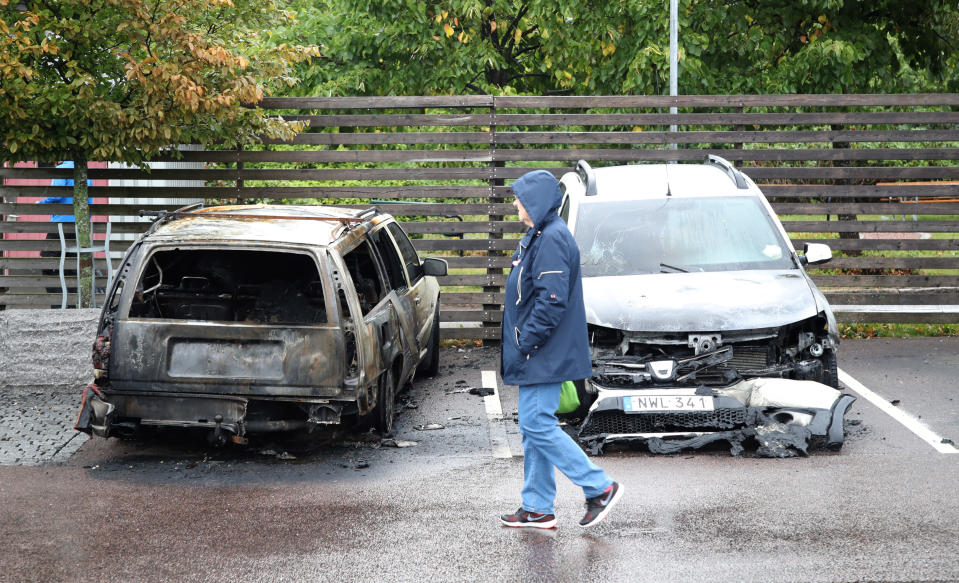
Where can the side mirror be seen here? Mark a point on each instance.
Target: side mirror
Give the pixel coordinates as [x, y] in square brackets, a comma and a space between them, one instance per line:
[435, 267]
[816, 253]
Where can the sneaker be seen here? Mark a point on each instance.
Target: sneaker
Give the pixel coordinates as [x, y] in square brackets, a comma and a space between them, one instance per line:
[524, 519]
[599, 506]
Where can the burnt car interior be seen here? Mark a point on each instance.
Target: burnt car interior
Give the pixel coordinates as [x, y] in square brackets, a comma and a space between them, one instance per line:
[391, 261]
[230, 286]
[413, 267]
[362, 267]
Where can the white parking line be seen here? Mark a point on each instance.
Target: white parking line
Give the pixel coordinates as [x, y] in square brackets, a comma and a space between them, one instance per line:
[494, 416]
[910, 422]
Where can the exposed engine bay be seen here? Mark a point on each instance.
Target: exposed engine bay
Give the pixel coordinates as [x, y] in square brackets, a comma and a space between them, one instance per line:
[777, 387]
[802, 351]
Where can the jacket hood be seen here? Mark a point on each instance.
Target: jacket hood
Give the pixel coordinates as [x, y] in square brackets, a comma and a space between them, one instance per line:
[699, 302]
[540, 195]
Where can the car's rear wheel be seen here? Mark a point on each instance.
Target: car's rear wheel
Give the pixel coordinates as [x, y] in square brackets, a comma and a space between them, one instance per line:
[430, 365]
[383, 412]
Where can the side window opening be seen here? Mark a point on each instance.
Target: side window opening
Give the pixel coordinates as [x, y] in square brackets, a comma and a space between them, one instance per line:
[230, 285]
[564, 208]
[115, 298]
[414, 268]
[361, 264]
[348, 333]
[391, 259]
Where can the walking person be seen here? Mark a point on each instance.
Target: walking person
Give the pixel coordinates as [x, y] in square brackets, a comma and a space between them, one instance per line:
[545, 343]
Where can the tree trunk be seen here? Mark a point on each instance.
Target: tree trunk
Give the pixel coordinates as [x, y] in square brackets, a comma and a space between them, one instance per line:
[81, 214]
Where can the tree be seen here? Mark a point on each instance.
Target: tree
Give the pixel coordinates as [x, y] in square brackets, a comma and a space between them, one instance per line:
[818, 46]
[621, 47]
[125, 80]
[470, 46]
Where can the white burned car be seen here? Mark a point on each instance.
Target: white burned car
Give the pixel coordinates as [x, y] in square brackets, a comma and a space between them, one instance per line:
[257, 318]
[702, 320]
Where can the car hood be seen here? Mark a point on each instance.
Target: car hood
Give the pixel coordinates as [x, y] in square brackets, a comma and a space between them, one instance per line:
[699, 302]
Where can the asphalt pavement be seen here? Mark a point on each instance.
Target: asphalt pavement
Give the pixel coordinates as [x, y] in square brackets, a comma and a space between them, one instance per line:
[352, 507]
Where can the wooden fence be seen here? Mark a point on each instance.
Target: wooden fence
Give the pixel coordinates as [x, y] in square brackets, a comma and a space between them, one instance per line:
[876, 175]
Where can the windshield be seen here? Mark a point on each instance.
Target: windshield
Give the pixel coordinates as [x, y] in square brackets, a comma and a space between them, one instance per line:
[675, 235]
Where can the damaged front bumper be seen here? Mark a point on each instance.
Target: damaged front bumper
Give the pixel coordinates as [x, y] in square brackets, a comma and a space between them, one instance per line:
[123, 413]
[784, 417]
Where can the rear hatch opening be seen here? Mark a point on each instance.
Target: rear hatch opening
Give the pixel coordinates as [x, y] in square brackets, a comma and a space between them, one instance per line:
[230, 285]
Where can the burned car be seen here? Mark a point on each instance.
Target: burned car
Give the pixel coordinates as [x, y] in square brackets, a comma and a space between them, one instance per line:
[692, 288]
[257, 318]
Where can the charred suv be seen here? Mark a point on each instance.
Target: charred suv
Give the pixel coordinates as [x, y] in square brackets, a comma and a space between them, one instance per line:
[240, 319]
[703, 323]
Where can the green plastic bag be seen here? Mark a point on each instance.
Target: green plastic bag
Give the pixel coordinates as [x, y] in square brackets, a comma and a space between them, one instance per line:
[568, 399]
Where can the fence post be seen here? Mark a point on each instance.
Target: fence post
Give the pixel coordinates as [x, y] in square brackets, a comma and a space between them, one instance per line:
[491, 251]
[738, 128]
[239, 168]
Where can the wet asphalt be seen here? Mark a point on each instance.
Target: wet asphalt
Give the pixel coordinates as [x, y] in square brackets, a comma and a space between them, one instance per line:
[348, 507]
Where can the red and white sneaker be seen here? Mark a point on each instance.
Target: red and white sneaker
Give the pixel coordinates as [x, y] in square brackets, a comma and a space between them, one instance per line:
[599, 506]
[525, 519]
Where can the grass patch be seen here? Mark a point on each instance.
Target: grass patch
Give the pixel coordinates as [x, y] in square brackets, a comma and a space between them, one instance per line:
[461, 343]
[877, 252]
[864, 331]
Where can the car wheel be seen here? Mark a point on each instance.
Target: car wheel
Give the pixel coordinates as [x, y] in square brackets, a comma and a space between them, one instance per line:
[431, 362]
[830, 373]
[383, 411]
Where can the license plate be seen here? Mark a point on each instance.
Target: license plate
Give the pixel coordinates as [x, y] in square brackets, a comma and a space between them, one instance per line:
[224, 359]
[640, 404]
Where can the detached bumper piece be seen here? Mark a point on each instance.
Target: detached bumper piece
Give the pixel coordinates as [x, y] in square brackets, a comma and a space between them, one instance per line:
[783, 417]
[96, 415]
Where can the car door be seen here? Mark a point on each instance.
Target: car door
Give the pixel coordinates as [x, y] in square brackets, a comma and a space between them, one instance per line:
[404, 302]
[380, 309]
[424, 291]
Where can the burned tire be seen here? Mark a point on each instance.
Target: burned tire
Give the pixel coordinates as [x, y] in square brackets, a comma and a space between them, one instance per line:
[830, 372]
[383, 413]
[430, 365]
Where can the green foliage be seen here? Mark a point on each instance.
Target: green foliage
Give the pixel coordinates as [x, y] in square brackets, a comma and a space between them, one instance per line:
[622, 46]
[127, 79]
[865, 331]
[124, 79]
[828, 46]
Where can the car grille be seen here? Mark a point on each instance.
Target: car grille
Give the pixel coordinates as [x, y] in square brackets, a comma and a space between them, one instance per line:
[745, 358]
[600, 422]
[749, 358]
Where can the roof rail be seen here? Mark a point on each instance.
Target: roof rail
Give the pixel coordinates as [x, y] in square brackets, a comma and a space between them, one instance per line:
[370, 212]
[160, 217]
[734, 174]
[159, 214]
[588, 177]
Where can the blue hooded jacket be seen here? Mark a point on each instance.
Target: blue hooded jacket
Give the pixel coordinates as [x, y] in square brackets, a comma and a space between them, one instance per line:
[544, 319]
